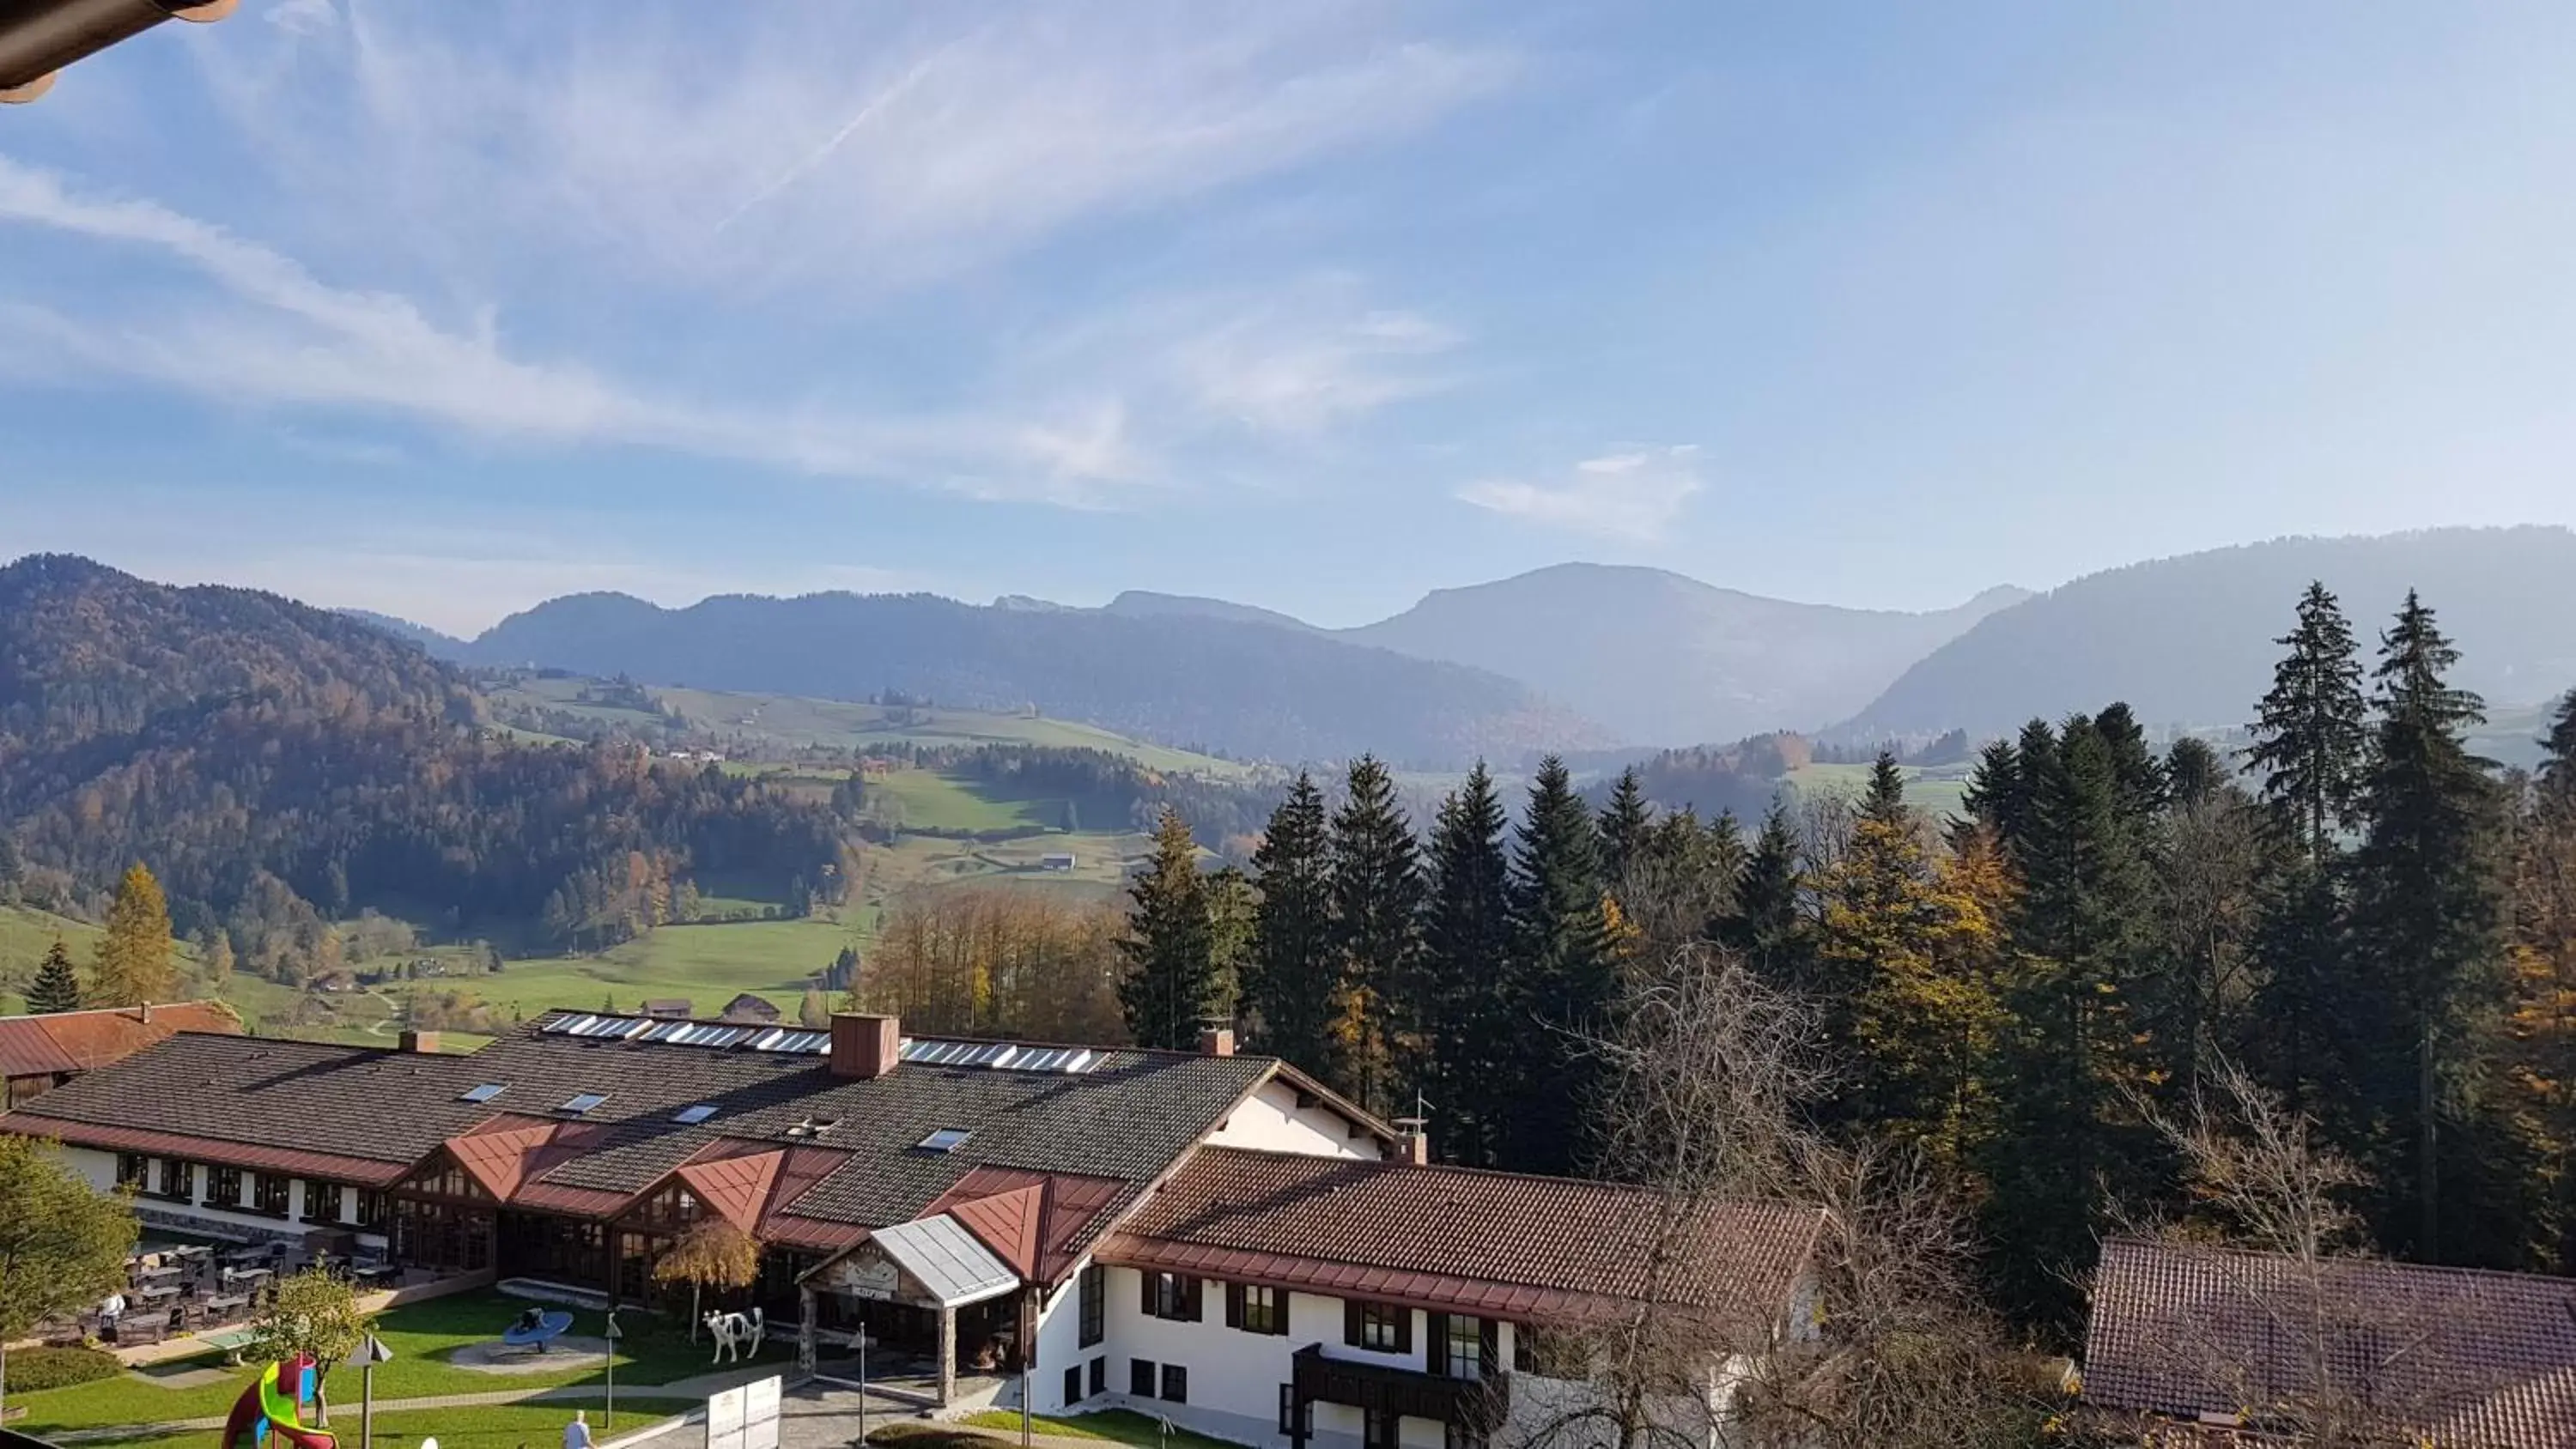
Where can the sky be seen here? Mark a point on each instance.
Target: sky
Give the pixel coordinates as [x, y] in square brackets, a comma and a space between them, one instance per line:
[443, 310]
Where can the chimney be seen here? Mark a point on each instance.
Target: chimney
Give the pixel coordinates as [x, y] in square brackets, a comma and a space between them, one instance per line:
[865, 1048]
[1412, 1141]
[1216, 1041]
[417, 1041]
[146, 1016]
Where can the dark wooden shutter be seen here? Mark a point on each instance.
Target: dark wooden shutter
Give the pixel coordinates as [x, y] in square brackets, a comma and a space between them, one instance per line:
[1403, 1329]
[1489, 1349]
[1147, 1279]
[1436, 1360]
[1351, 1322]
[1279, 1311]
[1234, 1305]
[1190, 1300]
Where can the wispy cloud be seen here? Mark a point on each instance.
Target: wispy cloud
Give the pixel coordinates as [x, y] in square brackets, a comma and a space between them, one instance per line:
[845, 148]
[1633, 496]
[1304, 369]
[276, 335]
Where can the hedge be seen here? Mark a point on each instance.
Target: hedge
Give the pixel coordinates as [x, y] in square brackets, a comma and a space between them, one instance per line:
[31, 1369]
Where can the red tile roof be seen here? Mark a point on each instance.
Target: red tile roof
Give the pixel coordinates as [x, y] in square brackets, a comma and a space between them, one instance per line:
[80, 1041]
[737, 1184]
[1007, 1223]
[1497, 1244]
[1072, 1211]
[2469, 1358]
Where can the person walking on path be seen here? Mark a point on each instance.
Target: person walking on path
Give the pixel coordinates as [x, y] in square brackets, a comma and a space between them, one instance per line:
[577, 1433]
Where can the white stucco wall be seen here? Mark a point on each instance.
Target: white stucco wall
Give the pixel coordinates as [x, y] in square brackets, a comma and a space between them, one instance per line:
[1271, 1121]
[98, 1169]
[1235, 1375]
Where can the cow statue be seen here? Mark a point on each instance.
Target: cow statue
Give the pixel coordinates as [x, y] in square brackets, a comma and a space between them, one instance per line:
[735, 1333]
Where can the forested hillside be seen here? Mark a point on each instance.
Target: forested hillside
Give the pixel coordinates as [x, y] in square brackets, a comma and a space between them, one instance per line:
[1247, 689]
[2186, 641]
[278, 765]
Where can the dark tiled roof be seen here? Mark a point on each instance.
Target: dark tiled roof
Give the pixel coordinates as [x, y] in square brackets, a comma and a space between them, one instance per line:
[1129, 1118]
[2468, 1358]
[353, 1102]
[1497, 1243]
[79, 1041]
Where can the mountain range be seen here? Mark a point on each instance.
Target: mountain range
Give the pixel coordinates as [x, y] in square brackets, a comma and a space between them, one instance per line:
[1586, 656]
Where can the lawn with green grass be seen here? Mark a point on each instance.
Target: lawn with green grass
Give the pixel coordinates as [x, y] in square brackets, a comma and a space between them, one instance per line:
[1939, 791]
[1118, 1426]
[654, 1350]
[708, 964]
[489, 1426]
[929, 800]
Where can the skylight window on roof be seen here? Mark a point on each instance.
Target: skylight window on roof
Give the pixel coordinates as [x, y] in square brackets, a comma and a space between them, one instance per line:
[485, 1092]
[584, 1102]
[946, 1139]
[692, 1116]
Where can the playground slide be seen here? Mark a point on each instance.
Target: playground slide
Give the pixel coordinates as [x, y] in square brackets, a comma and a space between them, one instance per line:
[272, 1407]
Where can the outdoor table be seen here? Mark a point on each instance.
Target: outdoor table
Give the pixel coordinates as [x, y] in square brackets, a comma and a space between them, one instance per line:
[154, 1275]
[158, 1293]
[226, 1306]
[244, 1275]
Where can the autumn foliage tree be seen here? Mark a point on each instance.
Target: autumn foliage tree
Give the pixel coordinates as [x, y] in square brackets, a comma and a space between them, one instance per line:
[137, 960]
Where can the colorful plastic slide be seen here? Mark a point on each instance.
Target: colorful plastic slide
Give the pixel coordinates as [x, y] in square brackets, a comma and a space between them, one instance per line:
[274, 1405]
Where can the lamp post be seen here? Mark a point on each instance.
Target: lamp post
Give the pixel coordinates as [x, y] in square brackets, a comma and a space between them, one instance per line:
[608, 1416]
[370, 1352]
[860, 1341]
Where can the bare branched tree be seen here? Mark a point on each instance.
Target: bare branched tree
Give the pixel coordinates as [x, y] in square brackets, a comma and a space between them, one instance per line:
[2258, 1306]
[1710, 1074]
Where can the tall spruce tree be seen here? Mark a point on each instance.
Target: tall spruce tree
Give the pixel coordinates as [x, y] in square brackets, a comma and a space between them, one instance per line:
[1466, 1031]
[1564, 973]
[1295, 966]
[1884, 799]
[2311, 732]
[1998, 792]
[57, 986]
[2557, 773]
[2541, 1060]
[1377, 903]
[1625, 818]
[2083, 928]
[136, 958]
[2427, 926]
[1171, 987]
[1763, 924]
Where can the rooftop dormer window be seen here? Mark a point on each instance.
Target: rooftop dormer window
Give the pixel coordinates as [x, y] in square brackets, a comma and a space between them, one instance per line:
[583, 1103]
[946, 1139]
[484, 1093]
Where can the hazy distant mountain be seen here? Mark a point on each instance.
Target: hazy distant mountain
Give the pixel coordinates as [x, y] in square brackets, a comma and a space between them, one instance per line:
[1250, 689]
[432, 642]
[1664, 659]
[2189, 640]
[1146, 604]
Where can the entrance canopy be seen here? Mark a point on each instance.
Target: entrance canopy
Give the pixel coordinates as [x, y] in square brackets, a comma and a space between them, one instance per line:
[946, 1261]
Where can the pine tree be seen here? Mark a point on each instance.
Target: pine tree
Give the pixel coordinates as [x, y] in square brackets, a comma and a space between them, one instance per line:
[1624, 822]
[1884, 800]
[1231, 903]
[2557, 774]
[1170, 988]
[57, 986]
[1466, 1029]
[2082, 931]
[2311, 731]
[1294, 967]
[1763, 926]
[1377, 902]
[135, 958]
[2427, 922]
[2541, 1057]
[1998, 792]
[1563, 972]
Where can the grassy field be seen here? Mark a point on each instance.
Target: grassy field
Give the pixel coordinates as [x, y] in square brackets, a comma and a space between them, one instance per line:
[490, 1426]
[796, 722]
[421, 1335]
[1936, 790]
[707, 964]
[927, 801]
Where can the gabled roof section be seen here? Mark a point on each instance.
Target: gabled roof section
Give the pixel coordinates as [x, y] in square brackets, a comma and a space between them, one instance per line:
[1007, 1223]
[499, 1159]
[947, 1260]
[1501, 1244]
[1072, 1210]
[736, 1184]
[2462, 1357]
[81, 1041]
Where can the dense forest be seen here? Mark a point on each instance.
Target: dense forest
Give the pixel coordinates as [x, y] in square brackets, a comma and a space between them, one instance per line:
[2377, 924]
[279, 766]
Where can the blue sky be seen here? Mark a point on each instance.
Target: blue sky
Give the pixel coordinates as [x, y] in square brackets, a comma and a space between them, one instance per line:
[446, 309]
